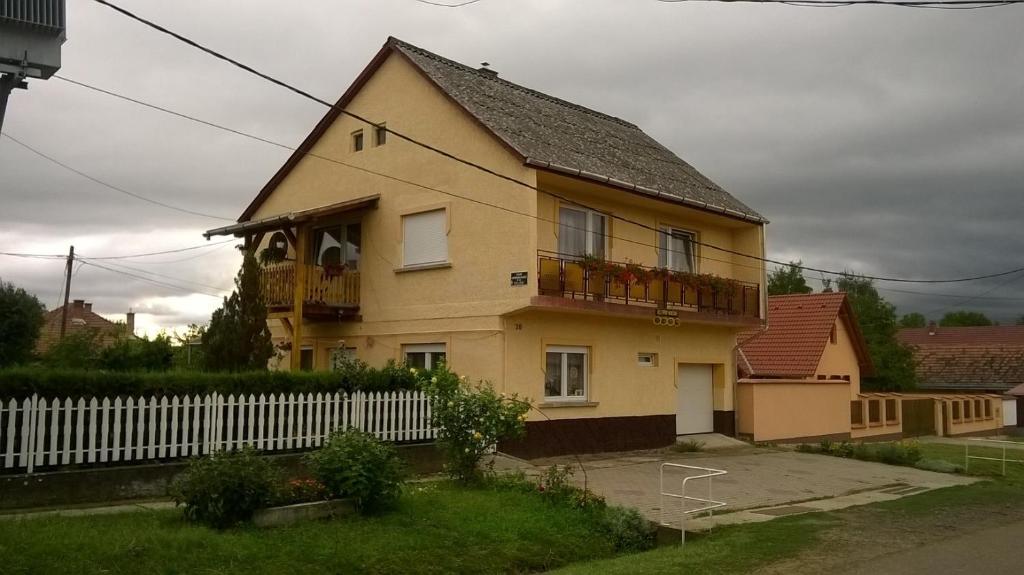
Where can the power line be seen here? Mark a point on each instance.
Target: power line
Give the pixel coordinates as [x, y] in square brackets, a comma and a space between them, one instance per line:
[939, 4]
[172, 251]
[510, 210]
[443, 5]
[110, 186]
[474, 165]
[159, 275]
[150, 280]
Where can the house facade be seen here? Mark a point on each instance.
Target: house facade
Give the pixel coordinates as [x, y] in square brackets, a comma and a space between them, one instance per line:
[561, 254]
[80, 318]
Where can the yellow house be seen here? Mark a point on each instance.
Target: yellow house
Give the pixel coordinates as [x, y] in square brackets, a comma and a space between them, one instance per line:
[441, 213]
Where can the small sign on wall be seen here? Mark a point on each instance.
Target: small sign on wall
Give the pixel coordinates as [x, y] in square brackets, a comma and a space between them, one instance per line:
[519, 278]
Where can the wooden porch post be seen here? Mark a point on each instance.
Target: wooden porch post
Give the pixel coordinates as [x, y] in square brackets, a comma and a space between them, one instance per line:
[301, 254]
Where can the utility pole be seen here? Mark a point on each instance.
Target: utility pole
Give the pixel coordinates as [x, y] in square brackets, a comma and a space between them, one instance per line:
[8, 82]
[67, 292]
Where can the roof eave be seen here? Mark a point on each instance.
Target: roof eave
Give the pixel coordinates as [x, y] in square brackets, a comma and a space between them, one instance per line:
[644, 191]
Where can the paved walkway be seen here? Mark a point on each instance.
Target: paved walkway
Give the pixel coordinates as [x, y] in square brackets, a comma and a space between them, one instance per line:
[757, 479]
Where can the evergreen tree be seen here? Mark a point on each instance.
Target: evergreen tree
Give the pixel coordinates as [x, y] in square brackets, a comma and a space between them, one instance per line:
[787, 280]
[238, 338]
[21, 318]
[894, 361]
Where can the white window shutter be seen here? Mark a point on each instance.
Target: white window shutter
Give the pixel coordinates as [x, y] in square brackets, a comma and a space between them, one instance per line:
[425, 238]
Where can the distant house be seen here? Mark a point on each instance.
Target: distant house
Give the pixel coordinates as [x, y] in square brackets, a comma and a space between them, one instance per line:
[800, 376]
[81, 318]
[987, 359]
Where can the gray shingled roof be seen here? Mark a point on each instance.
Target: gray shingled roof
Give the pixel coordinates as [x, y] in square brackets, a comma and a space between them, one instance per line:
[550, 132]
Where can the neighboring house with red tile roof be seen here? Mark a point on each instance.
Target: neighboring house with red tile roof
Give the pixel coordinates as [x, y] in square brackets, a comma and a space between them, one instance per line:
[81, 318]
[807, 336]
[799, 377]
[967, 359]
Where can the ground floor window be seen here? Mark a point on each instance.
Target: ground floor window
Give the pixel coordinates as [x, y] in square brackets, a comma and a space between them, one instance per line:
[424, 355]
[565, 376]
[306, 359]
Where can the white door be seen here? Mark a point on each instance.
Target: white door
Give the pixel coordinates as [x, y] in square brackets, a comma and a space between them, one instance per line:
[694, 404]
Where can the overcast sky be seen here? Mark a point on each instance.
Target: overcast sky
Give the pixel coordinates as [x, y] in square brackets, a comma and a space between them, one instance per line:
[889, 141]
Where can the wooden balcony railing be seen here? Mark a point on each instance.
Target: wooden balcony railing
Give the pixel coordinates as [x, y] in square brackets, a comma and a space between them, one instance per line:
[323, 287]
[632, 284]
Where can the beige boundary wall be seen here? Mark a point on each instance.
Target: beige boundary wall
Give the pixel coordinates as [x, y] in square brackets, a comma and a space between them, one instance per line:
[793, 409]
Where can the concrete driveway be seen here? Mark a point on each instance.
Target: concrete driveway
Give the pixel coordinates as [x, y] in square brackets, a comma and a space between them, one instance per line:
[757, 478]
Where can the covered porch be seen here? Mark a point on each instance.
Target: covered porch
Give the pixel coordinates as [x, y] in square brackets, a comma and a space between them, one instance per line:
[310, 263]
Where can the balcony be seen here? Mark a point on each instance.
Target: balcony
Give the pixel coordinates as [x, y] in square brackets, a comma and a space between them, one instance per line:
[329, 292]
[630, 284]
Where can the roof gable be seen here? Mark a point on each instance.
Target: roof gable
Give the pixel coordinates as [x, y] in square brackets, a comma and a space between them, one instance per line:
[546, 133]
[978, 357]
[799, 327]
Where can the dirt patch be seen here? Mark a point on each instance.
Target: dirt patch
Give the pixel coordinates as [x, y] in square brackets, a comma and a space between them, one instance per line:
[869, 533]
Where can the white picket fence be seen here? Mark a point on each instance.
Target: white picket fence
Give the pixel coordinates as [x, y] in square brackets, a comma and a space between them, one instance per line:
[39, 432]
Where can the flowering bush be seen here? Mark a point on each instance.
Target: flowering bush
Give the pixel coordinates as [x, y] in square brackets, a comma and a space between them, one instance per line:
[471, 419]
[302, 491]
[226, 488]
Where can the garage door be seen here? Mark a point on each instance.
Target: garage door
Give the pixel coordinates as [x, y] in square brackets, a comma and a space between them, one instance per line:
[695, 403]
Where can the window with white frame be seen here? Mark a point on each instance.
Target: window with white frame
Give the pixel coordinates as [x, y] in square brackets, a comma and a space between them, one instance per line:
[565, 375]
[582, 232]
[424, 355]
[675, 249]
[644, 359]
[425, 238]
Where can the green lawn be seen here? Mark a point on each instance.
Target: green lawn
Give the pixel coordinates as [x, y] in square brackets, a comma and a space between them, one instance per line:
[440, 529]
[955, 454]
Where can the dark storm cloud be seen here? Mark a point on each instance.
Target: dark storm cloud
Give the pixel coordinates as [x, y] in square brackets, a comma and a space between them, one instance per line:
[882, 140]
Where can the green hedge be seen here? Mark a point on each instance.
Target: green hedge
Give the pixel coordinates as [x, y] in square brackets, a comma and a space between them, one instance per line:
[18, 383]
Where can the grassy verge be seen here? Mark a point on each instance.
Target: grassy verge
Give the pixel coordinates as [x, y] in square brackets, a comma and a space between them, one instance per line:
[437, 529]
[730, 549]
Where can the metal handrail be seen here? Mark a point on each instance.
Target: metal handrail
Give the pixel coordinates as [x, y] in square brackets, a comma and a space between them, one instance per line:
[710, 504]
[968, 457]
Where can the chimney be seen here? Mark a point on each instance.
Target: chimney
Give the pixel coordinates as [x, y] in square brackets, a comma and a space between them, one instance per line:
[129, 320]
[485, 68]
[88, 306]
[931, 328]
[78, 304]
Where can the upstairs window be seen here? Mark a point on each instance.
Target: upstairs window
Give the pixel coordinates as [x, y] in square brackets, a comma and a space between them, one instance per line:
[380, 135]
[675, 249]
[425, 238]
[357, 141]
[338, 245]
[582, 232]
[424, 355]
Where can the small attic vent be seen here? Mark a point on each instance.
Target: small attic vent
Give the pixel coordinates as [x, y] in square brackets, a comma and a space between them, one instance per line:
[486, 69]
[77, 321]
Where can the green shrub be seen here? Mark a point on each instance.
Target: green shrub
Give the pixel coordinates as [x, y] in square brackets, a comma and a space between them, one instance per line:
[142, 354]
[224, 489]
[471, 420]
[939, 465]
[808, 448]
[629, 530]
[18, 383]
[901, 453]
[358, 466]
[688, 446]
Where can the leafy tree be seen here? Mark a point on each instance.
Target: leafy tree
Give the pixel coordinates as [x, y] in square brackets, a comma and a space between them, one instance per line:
[188, 355]
[1020, 320]
[964, 318]
[913, 319]
[238, 338]
[79, 349]
[788, 279]
[21, 318]
[894, 361]
[138, 354]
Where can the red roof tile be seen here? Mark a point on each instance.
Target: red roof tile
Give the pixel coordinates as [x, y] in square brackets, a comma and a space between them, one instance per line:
[974, 358]
[799, 327]
[980, 335]
[80, 318]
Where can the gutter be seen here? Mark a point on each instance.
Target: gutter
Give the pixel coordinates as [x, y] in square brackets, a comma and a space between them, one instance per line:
[643, 190]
